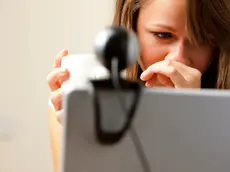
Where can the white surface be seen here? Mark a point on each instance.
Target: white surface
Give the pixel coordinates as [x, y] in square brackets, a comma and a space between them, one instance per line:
[82, 67]
[32, 33]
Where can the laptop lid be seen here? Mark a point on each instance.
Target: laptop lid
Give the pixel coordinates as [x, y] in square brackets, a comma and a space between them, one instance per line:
[173, 131]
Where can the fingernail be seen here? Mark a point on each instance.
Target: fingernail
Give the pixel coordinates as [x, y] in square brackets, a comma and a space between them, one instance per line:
[143, 75]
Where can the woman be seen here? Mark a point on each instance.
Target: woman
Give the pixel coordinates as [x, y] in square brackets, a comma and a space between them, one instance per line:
[183, 45]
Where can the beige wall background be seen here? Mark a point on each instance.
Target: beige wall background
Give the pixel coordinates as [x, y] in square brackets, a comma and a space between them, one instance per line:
[31, 34]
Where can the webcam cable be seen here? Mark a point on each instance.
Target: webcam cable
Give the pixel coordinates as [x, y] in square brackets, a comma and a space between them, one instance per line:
[134, 136]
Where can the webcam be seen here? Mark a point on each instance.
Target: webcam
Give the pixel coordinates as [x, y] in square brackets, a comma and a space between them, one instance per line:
[116, 42]
[116, 48]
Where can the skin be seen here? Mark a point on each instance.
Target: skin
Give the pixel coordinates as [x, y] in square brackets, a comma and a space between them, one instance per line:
[55, 78]
[168, 59]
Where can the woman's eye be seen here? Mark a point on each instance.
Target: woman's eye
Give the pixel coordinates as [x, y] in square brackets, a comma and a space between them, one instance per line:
[163, 35]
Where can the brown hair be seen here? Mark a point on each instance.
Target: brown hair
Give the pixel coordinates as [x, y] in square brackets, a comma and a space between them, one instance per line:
[207, 23]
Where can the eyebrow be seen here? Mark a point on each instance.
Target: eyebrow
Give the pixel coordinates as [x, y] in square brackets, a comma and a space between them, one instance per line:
[168, 27]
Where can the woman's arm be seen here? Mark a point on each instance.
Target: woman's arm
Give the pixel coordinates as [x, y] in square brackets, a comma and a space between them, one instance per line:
[55, 139]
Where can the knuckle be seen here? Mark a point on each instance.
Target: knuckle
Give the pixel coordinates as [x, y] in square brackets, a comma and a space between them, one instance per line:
[54, 74]
[195, 77]
[173, 71]
[49, 80]
[168, 62]
[55, 98]
[63, 76]
[50, 75]
[198, 74]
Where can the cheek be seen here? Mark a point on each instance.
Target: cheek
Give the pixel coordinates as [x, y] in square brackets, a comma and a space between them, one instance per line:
[151, 50]
[202, 59]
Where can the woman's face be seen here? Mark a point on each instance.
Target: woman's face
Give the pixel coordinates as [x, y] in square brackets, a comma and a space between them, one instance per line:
[162, 35]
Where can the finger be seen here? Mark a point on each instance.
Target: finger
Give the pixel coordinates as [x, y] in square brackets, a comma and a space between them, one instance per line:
[159, 81]
[151, 82]
[185, 70]
[147, 74]
[56, 99]
[169, 69]
[165, 80]
[190, 74]
[59, 57]
[56, 78]
[59, 115]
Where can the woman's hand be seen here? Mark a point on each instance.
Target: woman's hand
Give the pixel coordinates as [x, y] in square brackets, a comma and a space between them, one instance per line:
[170, 73]
[55, 78]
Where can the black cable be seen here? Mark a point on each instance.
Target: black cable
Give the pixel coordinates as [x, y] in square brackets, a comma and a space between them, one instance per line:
[134, 136]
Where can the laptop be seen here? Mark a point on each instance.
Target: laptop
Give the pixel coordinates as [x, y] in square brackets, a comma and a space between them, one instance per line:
[173, 130]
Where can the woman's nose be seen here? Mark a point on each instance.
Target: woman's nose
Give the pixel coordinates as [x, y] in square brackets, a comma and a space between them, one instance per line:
[178, 53]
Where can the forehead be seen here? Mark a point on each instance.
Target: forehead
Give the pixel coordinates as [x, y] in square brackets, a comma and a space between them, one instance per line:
[172, 12]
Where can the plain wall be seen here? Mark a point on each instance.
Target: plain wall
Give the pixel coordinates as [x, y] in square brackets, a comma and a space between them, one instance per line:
[31, 34]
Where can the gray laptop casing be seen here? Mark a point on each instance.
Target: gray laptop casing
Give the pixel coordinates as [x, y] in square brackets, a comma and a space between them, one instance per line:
[180, 131]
